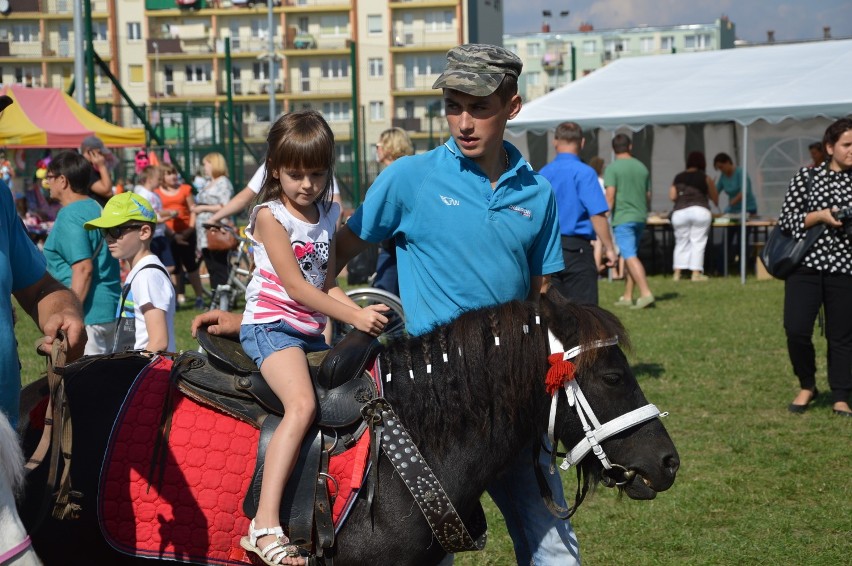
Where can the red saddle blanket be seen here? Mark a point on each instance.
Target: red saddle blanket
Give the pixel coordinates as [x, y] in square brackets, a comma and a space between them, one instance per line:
[196, 513]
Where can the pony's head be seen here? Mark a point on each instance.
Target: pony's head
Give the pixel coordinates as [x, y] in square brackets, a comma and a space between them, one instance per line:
[640, 459]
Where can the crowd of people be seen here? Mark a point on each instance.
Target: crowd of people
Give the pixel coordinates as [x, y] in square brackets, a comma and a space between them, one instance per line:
[474, 190]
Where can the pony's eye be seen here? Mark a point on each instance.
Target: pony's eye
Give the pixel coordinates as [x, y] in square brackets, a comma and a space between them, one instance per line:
[612, 378]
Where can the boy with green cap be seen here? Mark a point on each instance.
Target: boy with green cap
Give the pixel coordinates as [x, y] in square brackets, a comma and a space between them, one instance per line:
[146, 311]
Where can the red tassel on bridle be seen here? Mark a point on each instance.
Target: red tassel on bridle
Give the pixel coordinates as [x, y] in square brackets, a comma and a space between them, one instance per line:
[560, 371]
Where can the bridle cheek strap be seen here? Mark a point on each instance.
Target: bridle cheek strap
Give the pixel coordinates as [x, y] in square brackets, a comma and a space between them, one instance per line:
[595, 432]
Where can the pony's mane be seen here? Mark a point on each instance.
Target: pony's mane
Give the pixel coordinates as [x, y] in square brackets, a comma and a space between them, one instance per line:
[484, 382]
[11, 457]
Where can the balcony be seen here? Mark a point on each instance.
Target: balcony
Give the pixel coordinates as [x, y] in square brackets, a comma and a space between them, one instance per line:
[400, 4]
[45, 50]
[551, 61]
[416, 83]
[53, 7]
[407, 124]
[344, 5]
[321, 86]
[423, 38]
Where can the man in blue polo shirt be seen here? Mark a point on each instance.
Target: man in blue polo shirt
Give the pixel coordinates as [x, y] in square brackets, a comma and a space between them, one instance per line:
[582, 215]
[474, 227]
[51, 305]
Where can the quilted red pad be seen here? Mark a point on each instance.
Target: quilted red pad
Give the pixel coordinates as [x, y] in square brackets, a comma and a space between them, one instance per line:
[196, 515]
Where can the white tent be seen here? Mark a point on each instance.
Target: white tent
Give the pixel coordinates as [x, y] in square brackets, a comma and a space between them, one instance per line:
[783, 95]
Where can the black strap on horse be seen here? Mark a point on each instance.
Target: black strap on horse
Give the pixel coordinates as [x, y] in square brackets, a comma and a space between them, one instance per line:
[56, 438]
[446, 524]
[545, 492]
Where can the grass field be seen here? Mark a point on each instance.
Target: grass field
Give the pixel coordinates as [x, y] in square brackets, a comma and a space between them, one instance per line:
[757, 485]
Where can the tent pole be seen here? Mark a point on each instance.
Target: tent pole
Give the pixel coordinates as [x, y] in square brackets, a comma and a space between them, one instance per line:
[743, 228]
[79, 56]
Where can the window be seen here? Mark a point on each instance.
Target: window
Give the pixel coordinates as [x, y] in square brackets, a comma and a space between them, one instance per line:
[28, 76]
[439, 20]
[336, 111]
[377, 67]
[260, 70]
[612, 47]
[334, 25]
[99, 31]
[259, 29]
[377, 110]
[534, 49]
[335, 68]
[261, 112]
[198, 73]
[698, 41]
[134, 31]
[533, 79]
[646, 44]
[343, 152]
[136, 74]
[667, 43]
[24, 33]
[589, 46]
[425, 65]
[374, 24]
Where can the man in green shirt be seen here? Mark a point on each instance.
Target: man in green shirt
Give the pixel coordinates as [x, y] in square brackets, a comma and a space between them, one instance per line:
[77, 257]
[628, 193]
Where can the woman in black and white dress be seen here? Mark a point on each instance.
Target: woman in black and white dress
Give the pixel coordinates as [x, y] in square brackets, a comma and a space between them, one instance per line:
[817, 195]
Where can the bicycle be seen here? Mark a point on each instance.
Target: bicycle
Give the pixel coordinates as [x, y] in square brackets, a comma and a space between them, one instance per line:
[226, 296]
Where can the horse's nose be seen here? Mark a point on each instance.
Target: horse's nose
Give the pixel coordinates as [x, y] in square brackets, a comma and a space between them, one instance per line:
[671, 464]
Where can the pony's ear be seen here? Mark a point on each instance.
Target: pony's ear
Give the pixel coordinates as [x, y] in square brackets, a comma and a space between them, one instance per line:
[560, 315]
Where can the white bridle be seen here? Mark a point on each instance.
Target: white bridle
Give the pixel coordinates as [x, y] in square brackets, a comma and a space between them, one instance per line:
[595, 431]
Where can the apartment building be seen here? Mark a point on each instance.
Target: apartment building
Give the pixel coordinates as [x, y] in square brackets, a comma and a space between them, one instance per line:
[554, 58]
[370, 61]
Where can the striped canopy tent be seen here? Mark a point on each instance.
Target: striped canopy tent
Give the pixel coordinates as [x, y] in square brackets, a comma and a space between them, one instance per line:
[47, 117]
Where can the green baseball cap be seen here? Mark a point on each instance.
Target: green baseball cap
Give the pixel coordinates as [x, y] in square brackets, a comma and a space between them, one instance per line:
[122, 208]
[478, 69]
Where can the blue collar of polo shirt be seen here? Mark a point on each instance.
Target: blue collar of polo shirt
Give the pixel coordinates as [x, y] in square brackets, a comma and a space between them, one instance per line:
[515, 156]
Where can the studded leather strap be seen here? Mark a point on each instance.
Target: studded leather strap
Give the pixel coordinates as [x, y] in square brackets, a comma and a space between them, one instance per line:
[445, 522]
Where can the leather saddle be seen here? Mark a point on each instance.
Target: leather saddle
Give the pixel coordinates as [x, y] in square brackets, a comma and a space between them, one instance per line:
[228, 380]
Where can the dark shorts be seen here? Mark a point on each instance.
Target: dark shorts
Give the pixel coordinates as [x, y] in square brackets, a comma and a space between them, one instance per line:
[161, 248]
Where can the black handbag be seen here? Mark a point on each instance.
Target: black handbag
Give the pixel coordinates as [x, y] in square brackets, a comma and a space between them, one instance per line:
[782, 253]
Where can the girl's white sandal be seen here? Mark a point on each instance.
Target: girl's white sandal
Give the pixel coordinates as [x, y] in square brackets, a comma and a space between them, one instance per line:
[274, 552]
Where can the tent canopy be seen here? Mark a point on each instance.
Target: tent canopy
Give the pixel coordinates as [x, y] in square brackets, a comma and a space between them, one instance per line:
[771, 83]
[46, 117]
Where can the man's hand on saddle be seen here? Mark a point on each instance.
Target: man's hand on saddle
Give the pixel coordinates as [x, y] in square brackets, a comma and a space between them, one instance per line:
[218, 323]
[370, 319]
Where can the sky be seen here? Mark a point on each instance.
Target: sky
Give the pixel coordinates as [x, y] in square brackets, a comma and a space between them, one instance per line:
[790, 19]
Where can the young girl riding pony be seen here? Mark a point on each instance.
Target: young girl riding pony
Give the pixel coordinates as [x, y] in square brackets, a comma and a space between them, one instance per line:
[288, 301]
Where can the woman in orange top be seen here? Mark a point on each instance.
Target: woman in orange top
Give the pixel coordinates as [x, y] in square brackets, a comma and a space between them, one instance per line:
[177, 198]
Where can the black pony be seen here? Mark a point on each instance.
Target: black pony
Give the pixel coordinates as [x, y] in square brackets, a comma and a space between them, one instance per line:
[470, 416]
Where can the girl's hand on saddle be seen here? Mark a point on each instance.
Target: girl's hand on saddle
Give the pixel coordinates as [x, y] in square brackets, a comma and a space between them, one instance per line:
[370, 319]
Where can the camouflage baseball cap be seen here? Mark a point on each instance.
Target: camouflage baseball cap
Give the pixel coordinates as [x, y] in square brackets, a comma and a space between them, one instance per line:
[478, 69]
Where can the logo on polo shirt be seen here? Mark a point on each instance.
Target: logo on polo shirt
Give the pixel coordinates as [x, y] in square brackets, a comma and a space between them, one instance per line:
[449, 201]
[525, 212]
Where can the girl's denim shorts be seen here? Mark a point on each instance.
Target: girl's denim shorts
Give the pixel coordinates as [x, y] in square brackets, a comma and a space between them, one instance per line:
[260, 341]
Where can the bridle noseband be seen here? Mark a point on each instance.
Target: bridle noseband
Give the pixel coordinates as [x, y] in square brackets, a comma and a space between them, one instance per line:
[595, 432]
